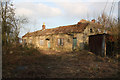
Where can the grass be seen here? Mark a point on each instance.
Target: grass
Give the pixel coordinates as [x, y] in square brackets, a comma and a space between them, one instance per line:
[27, 62]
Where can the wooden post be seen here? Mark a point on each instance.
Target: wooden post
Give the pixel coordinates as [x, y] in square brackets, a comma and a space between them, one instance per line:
[104, 53]
[103, 46]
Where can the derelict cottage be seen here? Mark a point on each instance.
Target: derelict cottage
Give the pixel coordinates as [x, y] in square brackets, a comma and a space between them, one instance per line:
[63, 38]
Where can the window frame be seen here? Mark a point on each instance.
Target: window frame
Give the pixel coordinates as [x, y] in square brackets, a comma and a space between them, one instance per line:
[60, 41]
[91, 30]
[41, 42]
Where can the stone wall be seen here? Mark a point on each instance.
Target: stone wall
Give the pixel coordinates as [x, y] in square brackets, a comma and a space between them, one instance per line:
[67, 41]
[82, 38]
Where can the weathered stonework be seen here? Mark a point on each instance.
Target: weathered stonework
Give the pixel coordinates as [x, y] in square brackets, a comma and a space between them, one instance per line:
[69, 40]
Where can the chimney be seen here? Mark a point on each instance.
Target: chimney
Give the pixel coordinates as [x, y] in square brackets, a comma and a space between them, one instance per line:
[82, 21]
[43, 26]
[79, 23]
[93, 21]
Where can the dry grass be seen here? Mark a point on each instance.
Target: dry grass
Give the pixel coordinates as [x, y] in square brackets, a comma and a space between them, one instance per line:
[29, 63]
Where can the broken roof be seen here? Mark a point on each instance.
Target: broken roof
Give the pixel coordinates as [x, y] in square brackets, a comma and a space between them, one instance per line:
[76, 28]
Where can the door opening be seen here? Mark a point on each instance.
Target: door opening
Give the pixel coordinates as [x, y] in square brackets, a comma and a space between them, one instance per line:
[74, 43]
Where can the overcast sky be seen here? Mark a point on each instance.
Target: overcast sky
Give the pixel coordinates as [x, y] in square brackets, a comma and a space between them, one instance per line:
[57, 13]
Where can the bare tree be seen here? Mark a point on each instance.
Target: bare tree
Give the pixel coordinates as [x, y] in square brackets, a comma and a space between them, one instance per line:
[108, 23]
[111, 26]
[19, 21]
[10, 23]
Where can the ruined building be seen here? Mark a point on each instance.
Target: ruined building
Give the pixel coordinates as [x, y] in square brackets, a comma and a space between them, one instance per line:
[63, 38]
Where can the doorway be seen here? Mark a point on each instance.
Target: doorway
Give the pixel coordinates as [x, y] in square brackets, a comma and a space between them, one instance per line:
[74, 43]
[48, 43]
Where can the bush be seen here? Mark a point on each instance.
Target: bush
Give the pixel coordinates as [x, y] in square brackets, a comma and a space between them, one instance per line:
[86, 46]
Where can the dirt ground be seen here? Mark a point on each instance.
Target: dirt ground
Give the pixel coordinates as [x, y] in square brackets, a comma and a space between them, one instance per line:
[30, 63]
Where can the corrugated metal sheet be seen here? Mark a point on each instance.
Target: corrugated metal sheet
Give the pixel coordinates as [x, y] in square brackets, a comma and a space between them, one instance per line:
[101, 44]
[95, 44]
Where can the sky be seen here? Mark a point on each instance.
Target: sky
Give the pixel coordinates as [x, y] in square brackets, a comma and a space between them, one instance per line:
[57, 13]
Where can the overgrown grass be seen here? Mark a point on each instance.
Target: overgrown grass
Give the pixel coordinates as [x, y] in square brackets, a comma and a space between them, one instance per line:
[19, 49]
[29, 62]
